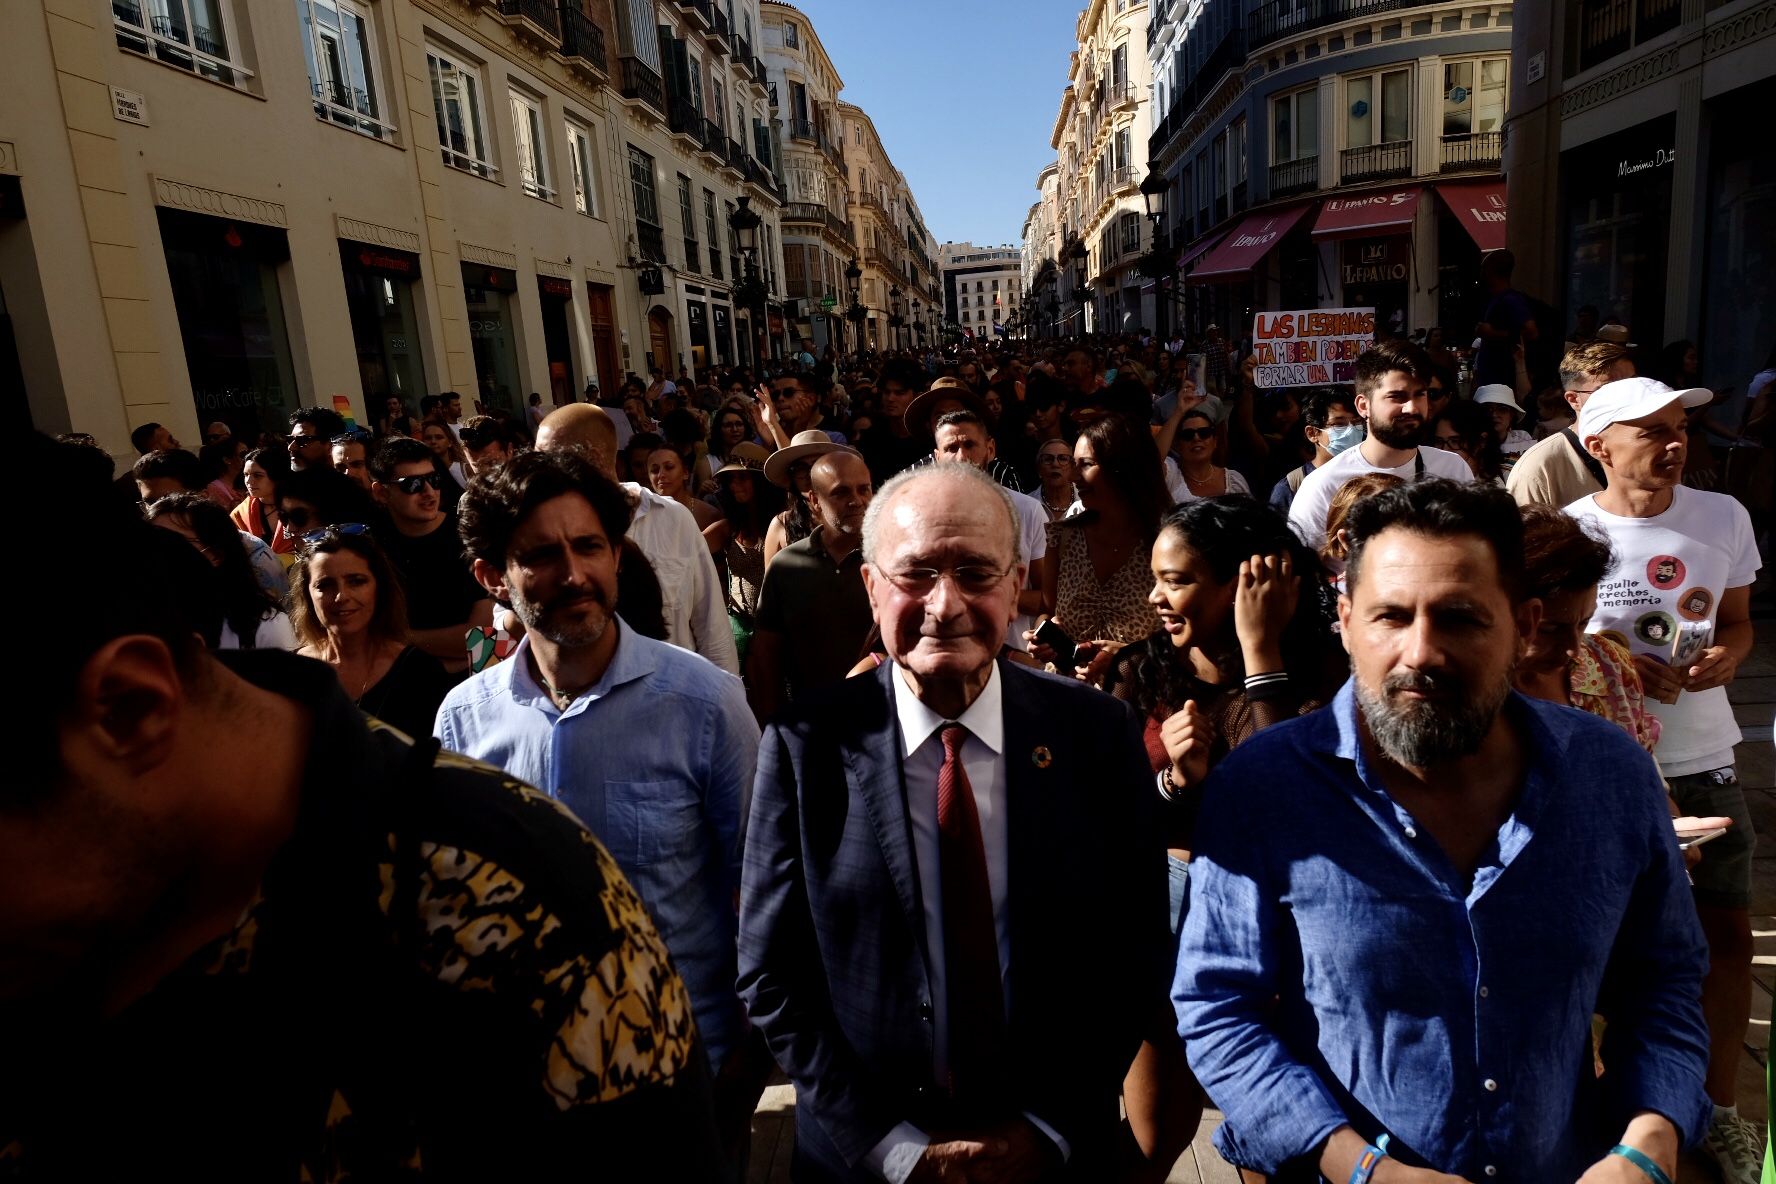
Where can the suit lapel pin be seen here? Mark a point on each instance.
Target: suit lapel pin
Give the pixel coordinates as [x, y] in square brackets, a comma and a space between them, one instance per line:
[1042, 758]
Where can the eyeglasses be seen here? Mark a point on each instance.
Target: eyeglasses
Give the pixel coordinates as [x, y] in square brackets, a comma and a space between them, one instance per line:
[412, 485]
[785, 392]
[336, 531]
[972, 580]
[1054, 458]
[1196, 433]
[1452, 444]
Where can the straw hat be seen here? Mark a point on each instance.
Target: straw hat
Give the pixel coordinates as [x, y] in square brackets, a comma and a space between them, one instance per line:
[746, 457]
[802, 446]
[922, 410]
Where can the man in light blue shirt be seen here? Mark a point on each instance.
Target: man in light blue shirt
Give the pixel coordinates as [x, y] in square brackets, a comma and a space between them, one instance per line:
[652, 747]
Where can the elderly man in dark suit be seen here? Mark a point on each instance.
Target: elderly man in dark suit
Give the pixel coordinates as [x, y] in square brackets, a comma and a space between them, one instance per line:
[952, 910]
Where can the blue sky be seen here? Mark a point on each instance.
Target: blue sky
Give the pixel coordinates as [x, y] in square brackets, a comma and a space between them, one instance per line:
[964, 94]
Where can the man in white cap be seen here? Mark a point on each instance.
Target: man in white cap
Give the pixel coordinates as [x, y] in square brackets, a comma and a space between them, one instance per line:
[1499, 400]
[1679, 597]
[1558, 471]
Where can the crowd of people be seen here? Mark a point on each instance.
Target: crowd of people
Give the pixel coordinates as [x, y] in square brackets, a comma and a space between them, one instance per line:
[1019, 747]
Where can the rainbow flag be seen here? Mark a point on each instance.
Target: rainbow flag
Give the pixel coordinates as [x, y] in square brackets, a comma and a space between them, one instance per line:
[342, 404]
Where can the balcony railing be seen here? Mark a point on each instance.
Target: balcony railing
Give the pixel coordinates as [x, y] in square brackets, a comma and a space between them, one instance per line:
[1476, 150]
[1376, 162]
[639, 81]
[1230, 54]
[802, 129]
[682, 118]
[714, 139]
[737, 155]
[1117, 93]
[582, 39]
[540, 13]
[1610, 27]
[833, 153]
[1295, 176]
[699, 8]
[651, 241]
[1277, 19]
[742, 52]
[758, 70]
[720, 39]
[1123, 178]
[815, 214]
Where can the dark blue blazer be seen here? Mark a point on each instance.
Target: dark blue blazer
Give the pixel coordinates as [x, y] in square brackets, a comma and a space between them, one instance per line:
[833, 966]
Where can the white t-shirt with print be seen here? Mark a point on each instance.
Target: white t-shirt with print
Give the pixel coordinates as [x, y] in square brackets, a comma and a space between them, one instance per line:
[1671, 571]
[1307, 513]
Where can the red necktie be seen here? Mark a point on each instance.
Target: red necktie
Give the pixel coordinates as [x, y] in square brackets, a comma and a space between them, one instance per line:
[975, 998]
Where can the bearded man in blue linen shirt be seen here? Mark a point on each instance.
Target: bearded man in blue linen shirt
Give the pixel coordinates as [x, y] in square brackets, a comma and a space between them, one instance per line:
[651, 746]
[1406, 909]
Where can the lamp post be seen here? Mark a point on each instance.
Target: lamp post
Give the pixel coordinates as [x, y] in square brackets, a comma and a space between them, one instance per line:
[1157, 265]
[744, 222]
[1080, 254]
[856, 313]
[918, 324]
[894, 321]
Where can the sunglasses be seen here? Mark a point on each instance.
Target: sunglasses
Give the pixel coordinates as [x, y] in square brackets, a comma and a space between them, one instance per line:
[1196, 433]
[337, 531]
[412, 485]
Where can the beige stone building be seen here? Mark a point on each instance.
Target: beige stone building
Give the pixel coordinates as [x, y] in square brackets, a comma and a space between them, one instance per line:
[214, 209]
[895, 249]
[983, 287]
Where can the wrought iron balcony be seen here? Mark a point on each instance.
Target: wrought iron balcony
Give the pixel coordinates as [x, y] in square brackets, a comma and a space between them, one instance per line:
[742, 52]
[802, 129]
[541, 13]
[1610, 27]
[1376, 162]
[1475, 150]
[1117, 93]
[582, 39]
[714, 139]
[1229, 54]
[736, 155]
[1123, 178]
[719, 40]
[1295, 176]
[1277, 19]
[758, 70]
[651, 241]
[699, 8]
[638, 80]
[682, 118]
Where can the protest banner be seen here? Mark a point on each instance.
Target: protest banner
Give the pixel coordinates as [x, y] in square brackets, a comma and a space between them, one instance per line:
[1314, 347]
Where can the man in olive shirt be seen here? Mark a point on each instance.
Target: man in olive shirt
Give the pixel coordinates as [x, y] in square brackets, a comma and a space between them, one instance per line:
[813, 612]
[1558, 471]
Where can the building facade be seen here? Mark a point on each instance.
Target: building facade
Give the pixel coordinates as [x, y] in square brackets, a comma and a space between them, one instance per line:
[898, 279]
[983, 288]
[240, 209]
[1104, 122]
[1040, 311]
[1642, 184]
[1334, 154]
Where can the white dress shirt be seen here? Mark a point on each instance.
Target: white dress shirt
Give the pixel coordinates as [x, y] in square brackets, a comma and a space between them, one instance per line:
[696, 608]
[983, 758]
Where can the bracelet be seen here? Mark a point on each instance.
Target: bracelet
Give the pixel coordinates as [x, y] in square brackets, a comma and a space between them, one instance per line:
[1373, 1154]
[1643, 1161]
[1168, 788]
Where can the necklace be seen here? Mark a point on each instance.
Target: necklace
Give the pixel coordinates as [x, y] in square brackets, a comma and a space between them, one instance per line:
[1054, 509]
[562, 699]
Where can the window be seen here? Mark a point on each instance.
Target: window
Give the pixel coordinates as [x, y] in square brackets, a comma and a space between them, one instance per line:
[1123, 156]
[189, 34]
[709, 222]
[456, 100]
[995, 285]
[1130, 225]
[1119, 67]
[641, 187]
[719, 108]
[581, 158]
[1295, 120]
[688, 220]
[791, 38]
[696, 85]
[1236, 139]
[341, 70]
[965, 316]
[531, 145]
[1365, 125]
[1467, 110]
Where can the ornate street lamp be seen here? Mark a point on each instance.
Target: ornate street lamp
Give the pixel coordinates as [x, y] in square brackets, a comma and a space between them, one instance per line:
[1158, 265]
[750, 293]
[856, 313]
[894, 321]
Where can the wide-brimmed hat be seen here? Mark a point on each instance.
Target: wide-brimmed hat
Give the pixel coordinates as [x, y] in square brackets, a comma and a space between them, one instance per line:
[1614, 333]
[919, 412]
[1632, 398]
[1497, 393]
[745, 457]
[802, 446]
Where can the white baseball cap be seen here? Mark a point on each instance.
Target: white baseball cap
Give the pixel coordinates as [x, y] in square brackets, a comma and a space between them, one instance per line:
[1497, 392]
[1632, 398]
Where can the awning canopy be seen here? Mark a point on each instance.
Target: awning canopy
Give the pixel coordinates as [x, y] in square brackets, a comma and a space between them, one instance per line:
[1196, 252]
[1386, 211]
[1480, 207]
[1247, 245]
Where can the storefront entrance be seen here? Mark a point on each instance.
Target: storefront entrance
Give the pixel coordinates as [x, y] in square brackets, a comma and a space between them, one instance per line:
[224, 278]
[489, 293]
[1377, 273]
[601, 305]
[660, 339]
[385, 329]
[1618, 208]
[557, 300]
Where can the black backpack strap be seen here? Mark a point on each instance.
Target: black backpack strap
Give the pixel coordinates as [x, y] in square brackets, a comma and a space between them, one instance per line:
[1591, 463]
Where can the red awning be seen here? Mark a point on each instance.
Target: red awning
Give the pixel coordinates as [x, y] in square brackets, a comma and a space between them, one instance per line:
[1480, 207]
[1196, 252]
[1387, 211]
[1247, 245]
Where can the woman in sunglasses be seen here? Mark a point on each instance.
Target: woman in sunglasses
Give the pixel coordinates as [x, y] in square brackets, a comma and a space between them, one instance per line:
[1194, 446]
[252, 616]
[350, 613]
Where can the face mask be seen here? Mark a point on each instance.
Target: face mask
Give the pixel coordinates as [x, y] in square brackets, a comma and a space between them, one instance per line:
[1340, 438]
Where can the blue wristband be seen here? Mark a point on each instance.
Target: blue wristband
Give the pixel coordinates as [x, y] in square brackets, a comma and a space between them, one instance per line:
[1643, 1161]
[1374, 1154]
